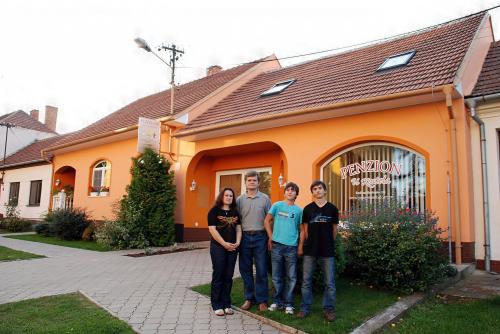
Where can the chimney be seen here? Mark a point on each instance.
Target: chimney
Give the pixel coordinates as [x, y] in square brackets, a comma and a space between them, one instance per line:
[34, 113]
[214, 69]
[51, 117]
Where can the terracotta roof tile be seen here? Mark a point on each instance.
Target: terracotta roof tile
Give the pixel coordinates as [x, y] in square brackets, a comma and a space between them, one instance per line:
[158, 105]
[23, 120]
[489, 79]
[351, 75]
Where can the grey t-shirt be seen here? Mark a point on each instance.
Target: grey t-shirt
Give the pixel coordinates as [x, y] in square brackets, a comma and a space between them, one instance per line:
[253, 210]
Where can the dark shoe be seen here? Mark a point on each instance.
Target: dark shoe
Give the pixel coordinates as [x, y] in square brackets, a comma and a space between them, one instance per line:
[330, 316]
[246, 305]
[262, 307]
[302, 315]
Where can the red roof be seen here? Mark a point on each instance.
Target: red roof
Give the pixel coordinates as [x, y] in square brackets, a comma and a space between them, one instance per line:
[158, 105]
[23, 120]
[30, 154]
[489, 79]
[351, 75]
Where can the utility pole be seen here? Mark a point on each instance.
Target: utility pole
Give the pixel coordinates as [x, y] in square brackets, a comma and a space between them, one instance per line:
[7, 127]
[175, 54]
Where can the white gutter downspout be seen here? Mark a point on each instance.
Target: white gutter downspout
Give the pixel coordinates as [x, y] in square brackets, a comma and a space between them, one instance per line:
[471, 103]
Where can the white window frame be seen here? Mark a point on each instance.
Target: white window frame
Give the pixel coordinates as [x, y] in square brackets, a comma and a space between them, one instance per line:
[239, 171]
[409, 54]
[278, 87]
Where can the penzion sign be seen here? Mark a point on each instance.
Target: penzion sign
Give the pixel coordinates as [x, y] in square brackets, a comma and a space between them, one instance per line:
[371, 166]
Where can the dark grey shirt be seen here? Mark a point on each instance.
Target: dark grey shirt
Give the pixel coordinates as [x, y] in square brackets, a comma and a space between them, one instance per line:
[253, 211]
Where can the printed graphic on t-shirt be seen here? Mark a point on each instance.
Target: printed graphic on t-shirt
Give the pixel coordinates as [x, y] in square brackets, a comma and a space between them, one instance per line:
[290, 215]
[227, 221]
[319, 218]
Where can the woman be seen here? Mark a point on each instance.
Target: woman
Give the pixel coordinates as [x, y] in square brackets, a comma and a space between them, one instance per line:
[225, 228]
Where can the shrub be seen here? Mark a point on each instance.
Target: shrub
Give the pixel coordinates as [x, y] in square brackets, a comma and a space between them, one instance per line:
[113, 235]
[13, 222]
[68, 224]
[394, 247]
[44, 229]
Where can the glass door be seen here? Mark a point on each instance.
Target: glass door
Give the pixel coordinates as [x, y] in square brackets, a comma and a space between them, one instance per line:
[235, 179]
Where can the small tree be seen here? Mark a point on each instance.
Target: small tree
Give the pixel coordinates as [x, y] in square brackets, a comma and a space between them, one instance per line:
[147, 210]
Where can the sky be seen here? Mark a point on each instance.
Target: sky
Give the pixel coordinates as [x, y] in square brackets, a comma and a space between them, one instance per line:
[80, 56]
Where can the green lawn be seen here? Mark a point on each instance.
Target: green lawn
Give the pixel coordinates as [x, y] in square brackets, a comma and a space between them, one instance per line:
[453, 316]
[71, 313]
[7, 254]
[89, 245]
[355, 304]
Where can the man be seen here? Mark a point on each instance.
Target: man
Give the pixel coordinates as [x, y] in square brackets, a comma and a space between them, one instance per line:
[317, 242]
[253, 207]
[282, 225]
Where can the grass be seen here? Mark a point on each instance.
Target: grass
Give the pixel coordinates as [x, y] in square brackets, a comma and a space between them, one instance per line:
[355, 304]
[451, 316]
[89, 245]
[7, 254]
[71, 313]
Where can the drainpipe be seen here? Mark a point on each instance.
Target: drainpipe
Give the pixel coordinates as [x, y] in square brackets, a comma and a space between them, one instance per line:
[454, 162]
[448, 193]
[471, 102]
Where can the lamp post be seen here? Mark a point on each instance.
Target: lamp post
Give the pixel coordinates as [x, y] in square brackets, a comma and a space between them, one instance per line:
[174, 56]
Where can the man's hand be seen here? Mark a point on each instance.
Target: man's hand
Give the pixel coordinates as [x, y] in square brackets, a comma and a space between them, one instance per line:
[300, 250]
[269, 244]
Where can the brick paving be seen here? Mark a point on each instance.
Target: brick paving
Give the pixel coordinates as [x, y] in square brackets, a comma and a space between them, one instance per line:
[150, 293]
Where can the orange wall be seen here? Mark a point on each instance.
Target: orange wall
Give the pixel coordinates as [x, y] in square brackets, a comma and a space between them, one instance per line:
[424, 128]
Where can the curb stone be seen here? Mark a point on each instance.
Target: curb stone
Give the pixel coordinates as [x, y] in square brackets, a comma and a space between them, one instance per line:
[399, 309]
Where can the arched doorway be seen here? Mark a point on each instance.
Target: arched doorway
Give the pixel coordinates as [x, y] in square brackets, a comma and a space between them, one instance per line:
[63, 188]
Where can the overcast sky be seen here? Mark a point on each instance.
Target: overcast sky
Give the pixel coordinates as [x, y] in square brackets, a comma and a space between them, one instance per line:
[81, 57]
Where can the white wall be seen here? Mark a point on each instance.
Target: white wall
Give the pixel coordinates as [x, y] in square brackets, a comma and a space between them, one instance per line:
[25, 176]
[19, 138]
[490, 114]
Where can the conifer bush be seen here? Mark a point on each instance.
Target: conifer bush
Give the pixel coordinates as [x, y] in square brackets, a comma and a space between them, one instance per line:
[147, 210]
[395, 247]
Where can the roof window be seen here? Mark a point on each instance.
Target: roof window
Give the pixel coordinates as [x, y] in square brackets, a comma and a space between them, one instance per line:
[398, 60]
[278, 88]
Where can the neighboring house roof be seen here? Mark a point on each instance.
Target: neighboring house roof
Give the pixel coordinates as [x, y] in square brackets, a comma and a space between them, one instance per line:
[23, 120]
[350, 76]
[31, 154]
[158, 105]
[489, 79]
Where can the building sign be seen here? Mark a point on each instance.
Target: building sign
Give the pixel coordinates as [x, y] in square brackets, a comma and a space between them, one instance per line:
[148, 134]
[371, 166]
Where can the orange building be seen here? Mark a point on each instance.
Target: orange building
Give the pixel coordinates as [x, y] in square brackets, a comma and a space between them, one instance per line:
[387, 120]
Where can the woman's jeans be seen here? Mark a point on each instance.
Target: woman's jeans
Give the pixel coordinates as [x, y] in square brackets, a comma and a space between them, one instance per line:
[223, 263]
[284, 262]
[329, 297]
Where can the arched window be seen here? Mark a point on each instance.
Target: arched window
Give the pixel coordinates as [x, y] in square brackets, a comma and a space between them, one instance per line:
[101, 176]
[373, 171]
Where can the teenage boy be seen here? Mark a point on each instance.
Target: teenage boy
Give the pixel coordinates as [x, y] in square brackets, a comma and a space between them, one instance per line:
[317, 242]
[253, 207]
[282, 225]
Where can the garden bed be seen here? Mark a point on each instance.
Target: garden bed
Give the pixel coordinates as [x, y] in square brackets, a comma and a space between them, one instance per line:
[166, 251]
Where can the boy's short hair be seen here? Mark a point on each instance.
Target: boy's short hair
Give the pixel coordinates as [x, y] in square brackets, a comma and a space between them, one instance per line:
[292, 185]
[318, 183]
[252, 173]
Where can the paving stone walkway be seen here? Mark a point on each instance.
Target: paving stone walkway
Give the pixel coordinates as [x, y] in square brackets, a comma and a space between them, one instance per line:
[480, 284]
[150, 293]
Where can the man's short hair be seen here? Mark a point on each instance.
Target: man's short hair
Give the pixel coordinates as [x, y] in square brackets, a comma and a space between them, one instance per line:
[252, 173]
[292, 185]
[318, 183]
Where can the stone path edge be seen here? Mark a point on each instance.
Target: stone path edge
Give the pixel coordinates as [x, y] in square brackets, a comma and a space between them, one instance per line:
[397, 310]
[104, 308]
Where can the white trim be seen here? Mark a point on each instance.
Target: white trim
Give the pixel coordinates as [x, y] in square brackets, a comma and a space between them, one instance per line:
[238, 171]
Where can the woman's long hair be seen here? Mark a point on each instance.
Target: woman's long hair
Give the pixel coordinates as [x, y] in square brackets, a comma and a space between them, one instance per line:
[219, 200]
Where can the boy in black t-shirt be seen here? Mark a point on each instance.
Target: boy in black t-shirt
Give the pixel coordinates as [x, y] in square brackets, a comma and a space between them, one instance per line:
[320, 219]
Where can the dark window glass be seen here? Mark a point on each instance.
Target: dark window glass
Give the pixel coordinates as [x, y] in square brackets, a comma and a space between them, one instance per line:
[35, 192]
[14, 193]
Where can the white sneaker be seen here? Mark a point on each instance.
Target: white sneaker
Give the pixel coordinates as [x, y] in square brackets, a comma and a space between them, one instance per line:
[289, 310]
[273, 307]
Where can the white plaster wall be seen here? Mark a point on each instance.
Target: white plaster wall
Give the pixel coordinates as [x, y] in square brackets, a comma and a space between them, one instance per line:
[24, 176]
[490, 114]
[19, 138]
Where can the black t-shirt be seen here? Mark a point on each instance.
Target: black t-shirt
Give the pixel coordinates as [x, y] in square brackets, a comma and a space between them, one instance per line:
[320, 222]
[225, 221]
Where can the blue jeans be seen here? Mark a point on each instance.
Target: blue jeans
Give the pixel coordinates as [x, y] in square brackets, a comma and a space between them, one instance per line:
[330, 295]
[223, 263]
[284, 262]
[253, 247]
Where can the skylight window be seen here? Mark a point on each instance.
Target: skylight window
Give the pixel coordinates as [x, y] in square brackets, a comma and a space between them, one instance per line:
[399, 60]
[278, 88]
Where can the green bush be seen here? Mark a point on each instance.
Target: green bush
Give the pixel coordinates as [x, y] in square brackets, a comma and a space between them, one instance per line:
[13, 222]
[112, 234]
[68, 224]
[394, 247]
[44, 229]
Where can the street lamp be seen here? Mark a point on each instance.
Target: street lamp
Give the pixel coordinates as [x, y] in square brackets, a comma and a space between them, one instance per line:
[175, 54]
